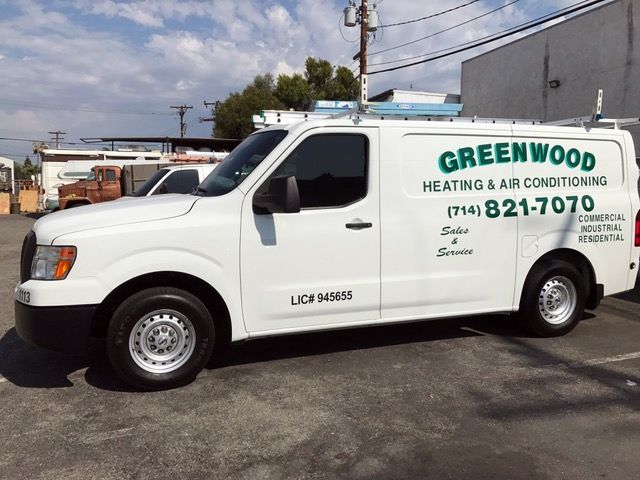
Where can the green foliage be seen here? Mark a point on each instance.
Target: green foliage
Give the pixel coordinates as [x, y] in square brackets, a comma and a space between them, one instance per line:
[24, 171]
[293, 91]
[234, 115]
[318, 74]
[343, 85]
[320, 82]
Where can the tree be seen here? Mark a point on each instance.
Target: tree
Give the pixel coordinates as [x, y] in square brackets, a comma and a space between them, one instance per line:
[318, 73]
[320, 82]
[26, 170]
[234, 115]
[294, 91]
[343, 85]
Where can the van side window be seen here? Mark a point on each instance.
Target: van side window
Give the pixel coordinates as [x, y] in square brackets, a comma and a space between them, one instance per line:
[111, 176]
[330, 169]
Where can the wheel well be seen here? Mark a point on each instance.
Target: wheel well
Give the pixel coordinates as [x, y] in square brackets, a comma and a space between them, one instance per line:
[583, 264]
[194, 285]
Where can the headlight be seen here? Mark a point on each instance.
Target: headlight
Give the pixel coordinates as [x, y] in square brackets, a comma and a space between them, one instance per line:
[52, 263]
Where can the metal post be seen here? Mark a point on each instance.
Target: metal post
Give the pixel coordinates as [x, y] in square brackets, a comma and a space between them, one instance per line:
[182, 109]
[364, 24]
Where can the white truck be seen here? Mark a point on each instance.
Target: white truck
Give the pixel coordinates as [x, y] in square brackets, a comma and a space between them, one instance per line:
[176, 179]
[340, 223]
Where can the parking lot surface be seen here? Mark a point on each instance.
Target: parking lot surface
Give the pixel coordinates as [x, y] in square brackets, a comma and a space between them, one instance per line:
[466, 398]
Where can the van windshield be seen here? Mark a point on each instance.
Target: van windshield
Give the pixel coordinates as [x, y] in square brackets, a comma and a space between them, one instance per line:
[240, 163]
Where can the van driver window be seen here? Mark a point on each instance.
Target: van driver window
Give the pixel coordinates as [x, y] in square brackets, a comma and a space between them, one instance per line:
[330, 170]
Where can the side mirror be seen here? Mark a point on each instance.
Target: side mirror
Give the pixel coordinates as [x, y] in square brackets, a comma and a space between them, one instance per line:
[282, 196]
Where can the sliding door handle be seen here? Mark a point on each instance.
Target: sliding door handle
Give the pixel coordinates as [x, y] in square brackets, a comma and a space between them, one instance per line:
[358, 226]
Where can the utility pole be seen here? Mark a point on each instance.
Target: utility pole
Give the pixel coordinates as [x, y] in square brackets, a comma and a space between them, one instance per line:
[57, 134]
[182, 109]
[213, 106]
[364, 38]
[369, 22]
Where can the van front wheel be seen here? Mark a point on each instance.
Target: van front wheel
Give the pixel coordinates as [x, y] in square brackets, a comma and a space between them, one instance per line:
[160, 338]
[553, 299]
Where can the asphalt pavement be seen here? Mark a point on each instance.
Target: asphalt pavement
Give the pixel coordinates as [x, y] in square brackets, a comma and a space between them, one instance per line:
[469, 398]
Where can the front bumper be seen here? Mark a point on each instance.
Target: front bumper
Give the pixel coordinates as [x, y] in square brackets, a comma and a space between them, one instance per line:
[60, 329]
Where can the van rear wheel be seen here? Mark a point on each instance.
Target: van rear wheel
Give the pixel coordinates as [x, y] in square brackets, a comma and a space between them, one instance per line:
[553, 299]
[160, 338]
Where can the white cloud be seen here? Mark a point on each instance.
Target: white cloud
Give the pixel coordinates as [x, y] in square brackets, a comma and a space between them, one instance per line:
[70, 53]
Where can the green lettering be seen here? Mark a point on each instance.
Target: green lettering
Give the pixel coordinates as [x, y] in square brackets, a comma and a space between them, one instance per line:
[557, 155]
[539, 152]
[573, 158]
[502, 152]
[447, 166]
[519, 152]
[466, 156]
[588, 162]
[484, 154]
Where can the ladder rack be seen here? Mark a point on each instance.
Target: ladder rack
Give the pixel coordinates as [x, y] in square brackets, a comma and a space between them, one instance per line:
[615, 123]
[285, 117]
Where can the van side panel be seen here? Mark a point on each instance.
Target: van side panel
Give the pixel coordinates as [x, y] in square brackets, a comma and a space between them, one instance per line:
[572, 192]
[441, 256]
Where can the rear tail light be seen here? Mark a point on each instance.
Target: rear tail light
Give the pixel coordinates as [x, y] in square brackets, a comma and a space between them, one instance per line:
[637, 242]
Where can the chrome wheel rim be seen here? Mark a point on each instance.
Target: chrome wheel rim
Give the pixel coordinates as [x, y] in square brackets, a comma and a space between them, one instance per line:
[557, 300]
[162, 341]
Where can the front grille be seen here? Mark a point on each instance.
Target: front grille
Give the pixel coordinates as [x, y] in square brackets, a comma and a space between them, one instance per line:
[26, 257]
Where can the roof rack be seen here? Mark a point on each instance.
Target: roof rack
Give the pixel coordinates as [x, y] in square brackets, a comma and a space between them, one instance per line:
[438, 118]
[597, 117]
[285, 117]
[615, 123]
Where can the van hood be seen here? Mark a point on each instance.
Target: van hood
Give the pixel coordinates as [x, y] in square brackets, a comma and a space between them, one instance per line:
[111, 214]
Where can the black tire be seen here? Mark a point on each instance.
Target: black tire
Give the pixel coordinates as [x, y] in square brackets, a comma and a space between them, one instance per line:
[174, 310]
[537, 299]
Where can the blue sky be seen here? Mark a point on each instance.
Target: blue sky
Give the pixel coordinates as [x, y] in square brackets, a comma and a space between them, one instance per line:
[112, 68]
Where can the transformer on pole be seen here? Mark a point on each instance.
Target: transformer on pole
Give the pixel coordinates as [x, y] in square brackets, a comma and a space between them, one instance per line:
[369, 22]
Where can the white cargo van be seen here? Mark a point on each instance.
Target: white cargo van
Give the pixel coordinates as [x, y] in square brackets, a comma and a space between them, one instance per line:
[340, 223]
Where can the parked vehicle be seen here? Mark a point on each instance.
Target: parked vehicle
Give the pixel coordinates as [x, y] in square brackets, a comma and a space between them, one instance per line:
[65, 166]
[110, 182]
[176, 179]
[6, 175]
[340, 223]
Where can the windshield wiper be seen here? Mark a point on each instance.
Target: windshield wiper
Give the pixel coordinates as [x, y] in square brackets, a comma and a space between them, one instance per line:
[200, 192]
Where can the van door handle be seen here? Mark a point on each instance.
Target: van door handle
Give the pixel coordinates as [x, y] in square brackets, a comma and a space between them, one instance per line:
[359, 226]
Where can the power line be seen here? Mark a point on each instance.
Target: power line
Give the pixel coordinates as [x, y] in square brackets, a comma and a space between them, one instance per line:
[445, 30]
[33, 140]
[430, 16]
[22, 139]
[422, 55]
[57, 137]
[67, 109]
[497, 36]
